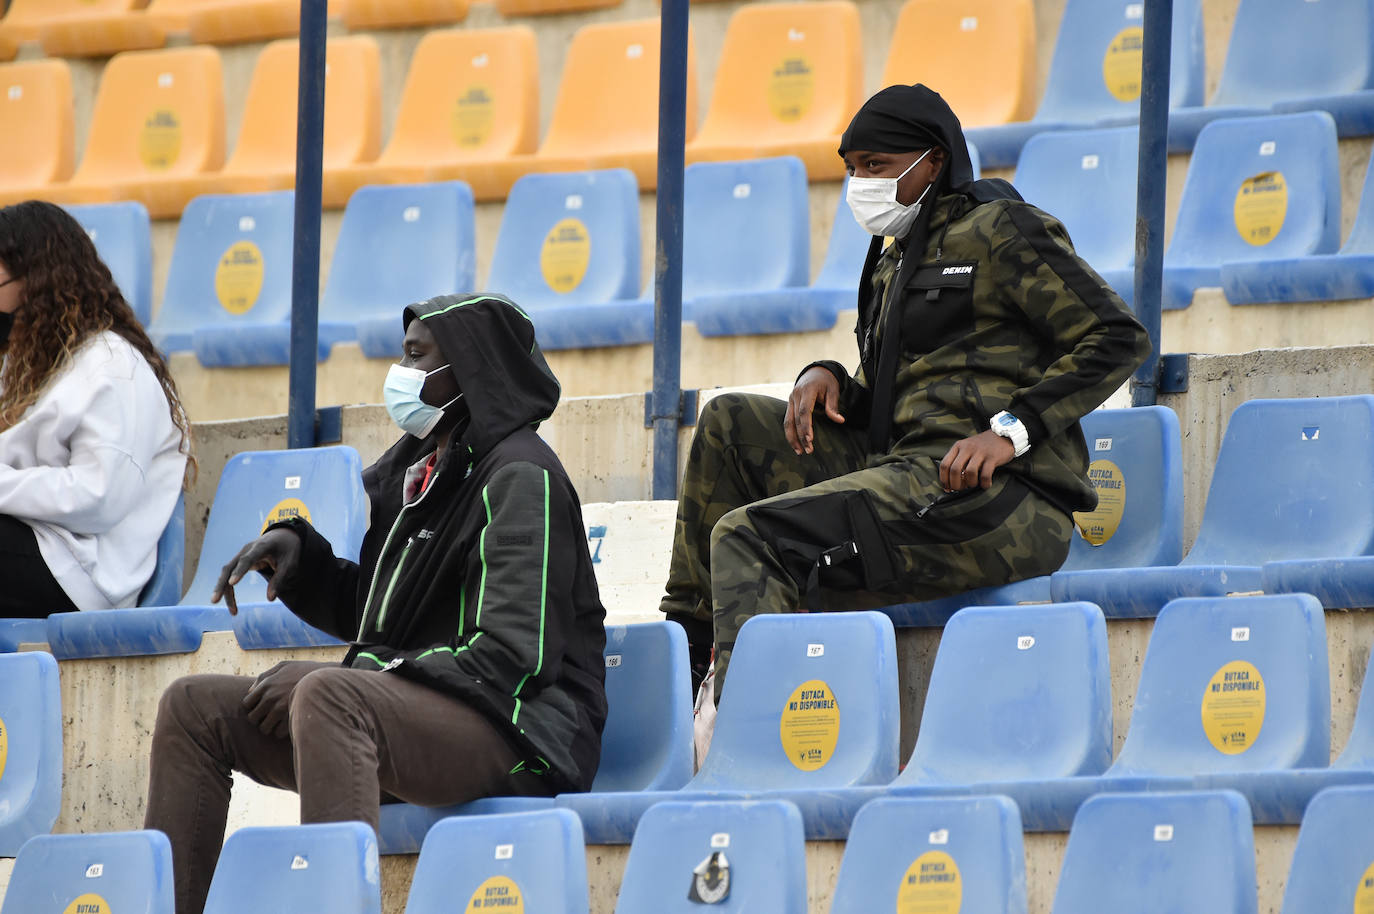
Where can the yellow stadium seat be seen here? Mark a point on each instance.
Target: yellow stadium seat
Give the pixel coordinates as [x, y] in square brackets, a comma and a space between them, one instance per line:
[606, 114]
[38, 126]
[471, 101]
[359, 15]
[8, 47]
[264, 158]
[26, 17]
[235, 21]
[789, 81]
[100, 33]
[158, 119]
[540, 7]
[978, 54]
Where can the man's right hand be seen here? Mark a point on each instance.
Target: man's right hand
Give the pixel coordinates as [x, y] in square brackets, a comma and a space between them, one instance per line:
[815, 388]
[276, 553]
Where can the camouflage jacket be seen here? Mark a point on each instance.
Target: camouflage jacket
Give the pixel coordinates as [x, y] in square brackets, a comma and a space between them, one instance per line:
[1001, 314]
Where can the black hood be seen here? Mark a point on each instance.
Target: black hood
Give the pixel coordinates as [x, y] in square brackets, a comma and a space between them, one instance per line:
[489, 344]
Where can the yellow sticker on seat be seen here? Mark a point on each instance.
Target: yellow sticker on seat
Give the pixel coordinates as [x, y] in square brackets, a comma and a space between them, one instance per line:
[89, 903]
[1121, 64]
[931, 885]
[499, 893]
[286, 509]
[159, 142]
[1261, 205]
[238, 278]
[566, 253]
[1364, 892]
[1100, 524]
[473, 115]
[1233, 707]
[810, 725]
[791, 88]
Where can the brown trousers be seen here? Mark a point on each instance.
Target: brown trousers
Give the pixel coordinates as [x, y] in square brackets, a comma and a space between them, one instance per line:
[354, 735]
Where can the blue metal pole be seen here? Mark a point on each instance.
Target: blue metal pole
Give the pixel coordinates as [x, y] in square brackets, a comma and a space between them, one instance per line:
[665, 400]
[305, 265]
[1151, 174]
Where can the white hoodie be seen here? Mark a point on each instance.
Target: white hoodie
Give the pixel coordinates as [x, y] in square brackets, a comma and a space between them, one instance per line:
[95, 468]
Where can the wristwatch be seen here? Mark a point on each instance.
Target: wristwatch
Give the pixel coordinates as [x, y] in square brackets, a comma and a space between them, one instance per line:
[1010, 428]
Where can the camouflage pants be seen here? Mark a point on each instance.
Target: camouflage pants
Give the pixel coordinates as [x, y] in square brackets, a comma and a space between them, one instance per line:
[763, 530]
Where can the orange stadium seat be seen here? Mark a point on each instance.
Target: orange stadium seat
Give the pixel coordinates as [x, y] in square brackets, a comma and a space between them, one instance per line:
[471, 100]
[359, 15]
[8, 47]
[606, 114]
[158, 119]
[540, 7]
[37, 123]
[265, 156]
[98, 32]
[234, 21]
[978, 54]
[27, 17]
[790, 78]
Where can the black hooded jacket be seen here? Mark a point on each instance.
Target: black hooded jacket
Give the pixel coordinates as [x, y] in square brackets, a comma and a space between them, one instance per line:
[480, 586]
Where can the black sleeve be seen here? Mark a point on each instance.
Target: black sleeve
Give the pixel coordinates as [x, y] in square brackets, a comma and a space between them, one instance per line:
[324, 589]
[856, 400]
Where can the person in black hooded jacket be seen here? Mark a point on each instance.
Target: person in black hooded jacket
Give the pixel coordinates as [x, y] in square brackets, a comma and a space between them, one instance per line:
[477, 631]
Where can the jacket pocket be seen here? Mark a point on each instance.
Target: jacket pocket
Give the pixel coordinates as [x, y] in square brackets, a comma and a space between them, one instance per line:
[939, 306]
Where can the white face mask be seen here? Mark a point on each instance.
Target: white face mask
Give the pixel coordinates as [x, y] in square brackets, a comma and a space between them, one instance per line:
[401, 393]
[874, 203]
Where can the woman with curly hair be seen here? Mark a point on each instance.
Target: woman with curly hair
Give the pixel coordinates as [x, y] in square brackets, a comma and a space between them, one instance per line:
[94, 444]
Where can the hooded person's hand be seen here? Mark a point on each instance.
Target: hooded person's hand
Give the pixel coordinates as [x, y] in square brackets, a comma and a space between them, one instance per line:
[276, 554]
[268, 702]
[817, 387]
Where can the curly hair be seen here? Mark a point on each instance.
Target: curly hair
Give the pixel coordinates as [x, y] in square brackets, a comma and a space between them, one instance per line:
[69, 296]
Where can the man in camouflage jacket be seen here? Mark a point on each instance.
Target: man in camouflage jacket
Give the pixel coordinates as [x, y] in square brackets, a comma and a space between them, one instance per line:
[898, 488]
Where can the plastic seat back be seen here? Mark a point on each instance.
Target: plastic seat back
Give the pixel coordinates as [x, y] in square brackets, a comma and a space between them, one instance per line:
[587, 227]
[231, 262]
[1334, 854]
[1151, 852]
[400, 244]
[980, 54]
[123, 238]
[352, 116]
[1017, 692]
[846, 250]
[647, 743]
[26, 17]
[158, 114]
[31, 747]
[811, 702]
[788, 71]
[675, 843]
[1136, 466]
[117, 871]
[323, 485]
[747, 226]
[470, 95]
[1260, 188]
[1232, 684]
[612, 60]
[363, 15]
[523, 861]
[938, 854]
[1087, 180]
[1294, 479]
[330, 867]
[164, 587]
[1361, 238]
[37, 122]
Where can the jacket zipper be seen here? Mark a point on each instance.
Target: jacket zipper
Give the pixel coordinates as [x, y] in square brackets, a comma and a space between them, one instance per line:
[386, 545]
[395, 576]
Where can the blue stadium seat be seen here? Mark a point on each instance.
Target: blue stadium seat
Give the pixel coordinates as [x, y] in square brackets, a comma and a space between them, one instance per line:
[424, 233]
[123, 239]
[323, 485]
[1338, 583]
[31, 739]
[164, 587]
[1146, 853]
[1137, 466]
[1258, 189]
[532, 861]
[1094, 77]
[810, 708]
[1323, 61]
[747, 230]
[231, 263]
[128, 872]
[1334, 853]
[584, 291]
[937, 854]
[761, 843]
[646, 744]
[331, 867]
[14, 632]
[1086, 180]
[1294, 480]
[1347, 274]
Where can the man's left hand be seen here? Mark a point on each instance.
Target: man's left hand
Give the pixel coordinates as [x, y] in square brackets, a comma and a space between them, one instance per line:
[268, 702]
[972, 461]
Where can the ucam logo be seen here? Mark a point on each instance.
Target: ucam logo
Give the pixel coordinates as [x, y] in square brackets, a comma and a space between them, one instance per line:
[953, 271]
